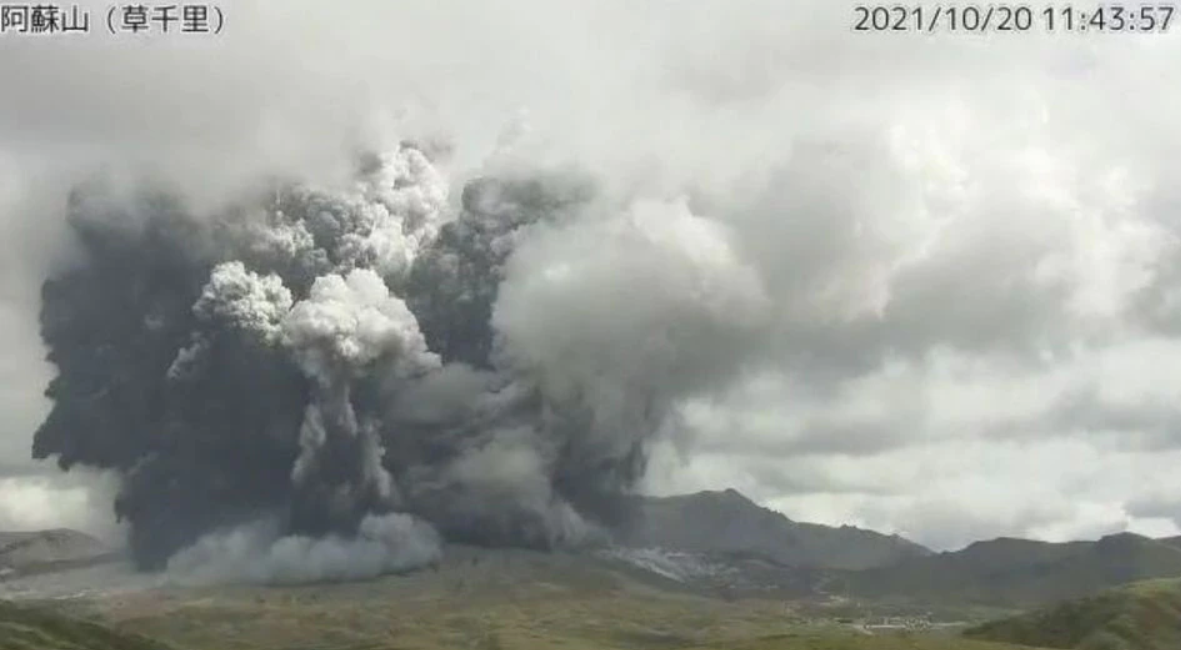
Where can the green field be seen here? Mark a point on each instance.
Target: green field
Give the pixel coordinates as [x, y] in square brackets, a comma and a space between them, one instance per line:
[508, 600]
[26, 628]
[574, 624]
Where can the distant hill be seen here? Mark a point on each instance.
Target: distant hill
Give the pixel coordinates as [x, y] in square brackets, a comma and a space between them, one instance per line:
[728, 522]
[1142, 616]
[23, 628]
[26, 552]
[1018, 573]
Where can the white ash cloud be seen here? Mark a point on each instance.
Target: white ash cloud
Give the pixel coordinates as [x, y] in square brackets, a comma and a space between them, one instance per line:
[256, 553]
[349, 322]
[245, 300]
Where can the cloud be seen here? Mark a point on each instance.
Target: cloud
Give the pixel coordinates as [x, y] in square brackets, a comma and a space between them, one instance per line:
[256, 553]
[963, 250]
[954, 448]
[79, 501]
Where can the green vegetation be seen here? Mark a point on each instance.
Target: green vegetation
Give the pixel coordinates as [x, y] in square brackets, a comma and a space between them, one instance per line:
[347, 618]
[552, 617]
[26, 628]
[1141, 616]
[478, 612]
[570, 623]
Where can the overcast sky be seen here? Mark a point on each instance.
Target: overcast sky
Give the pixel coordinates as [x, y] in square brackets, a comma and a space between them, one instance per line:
[970, 244]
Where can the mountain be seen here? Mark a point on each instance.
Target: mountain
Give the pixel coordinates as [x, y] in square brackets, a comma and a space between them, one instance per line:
[728, 522]
[1171, 541]
[1015, 572]
[45, 550]
[1141, 616]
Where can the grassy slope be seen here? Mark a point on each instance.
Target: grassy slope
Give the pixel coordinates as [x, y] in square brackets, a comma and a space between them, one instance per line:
[517, 601]
[25, 628]
[590, 622]
[1142, 616]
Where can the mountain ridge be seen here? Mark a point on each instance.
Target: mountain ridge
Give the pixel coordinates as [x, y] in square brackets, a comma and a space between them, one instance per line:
[1019, 572]
[727, 521]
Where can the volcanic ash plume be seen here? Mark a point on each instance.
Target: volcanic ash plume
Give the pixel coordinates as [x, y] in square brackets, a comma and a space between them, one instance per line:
[324, 384]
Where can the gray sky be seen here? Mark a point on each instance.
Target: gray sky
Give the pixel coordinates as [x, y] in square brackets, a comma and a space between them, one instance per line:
[968, 245]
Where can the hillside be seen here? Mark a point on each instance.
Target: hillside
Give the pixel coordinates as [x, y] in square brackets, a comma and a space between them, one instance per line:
[46, 550]
[727, 521]
[1171, 541]
[24, 628]
[1142, 616]
[1017, 573]
[488, 600]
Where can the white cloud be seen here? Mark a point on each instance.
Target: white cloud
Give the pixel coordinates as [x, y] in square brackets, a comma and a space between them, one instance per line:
[81, 501]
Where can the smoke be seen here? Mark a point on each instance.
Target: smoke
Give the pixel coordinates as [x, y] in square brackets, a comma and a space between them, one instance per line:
[256, 553]
[467, 332]
[312, 382]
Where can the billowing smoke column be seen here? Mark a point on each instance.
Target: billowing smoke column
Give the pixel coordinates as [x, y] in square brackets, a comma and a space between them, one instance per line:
[321, 384]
